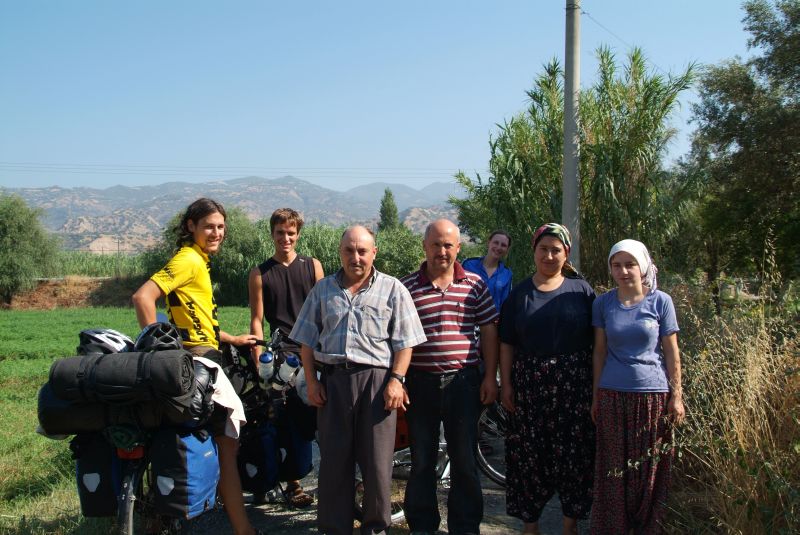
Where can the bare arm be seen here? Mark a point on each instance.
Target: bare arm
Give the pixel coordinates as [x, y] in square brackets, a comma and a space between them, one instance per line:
[256, 309]
[506, 389]
[489, 348]
[144, 302]
[395, 396]
[238, 340]
[318, 272]
[672, 357]
[598, 361]
[316, 390]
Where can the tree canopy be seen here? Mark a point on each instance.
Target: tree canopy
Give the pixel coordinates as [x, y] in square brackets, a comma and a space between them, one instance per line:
[28, 249]
[624, 132]
[388, 212]
[747, 146]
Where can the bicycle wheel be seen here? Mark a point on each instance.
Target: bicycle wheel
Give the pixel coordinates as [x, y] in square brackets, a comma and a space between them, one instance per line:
[491, 451]
[136, 513]
[129, 495]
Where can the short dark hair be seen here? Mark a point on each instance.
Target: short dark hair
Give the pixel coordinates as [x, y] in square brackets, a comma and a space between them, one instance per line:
[500, 232]
[285, 215]
[196, 211]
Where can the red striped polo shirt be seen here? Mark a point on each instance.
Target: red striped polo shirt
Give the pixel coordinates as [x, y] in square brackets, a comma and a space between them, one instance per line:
[449, 316]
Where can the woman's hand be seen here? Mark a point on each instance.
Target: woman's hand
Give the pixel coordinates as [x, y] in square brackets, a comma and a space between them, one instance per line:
[594, 409]
[507, 397]
[675, 409]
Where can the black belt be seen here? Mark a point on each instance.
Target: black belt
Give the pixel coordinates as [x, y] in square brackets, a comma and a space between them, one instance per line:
[347, 365]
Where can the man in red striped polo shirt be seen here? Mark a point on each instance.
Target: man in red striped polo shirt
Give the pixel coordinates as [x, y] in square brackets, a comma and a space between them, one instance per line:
[445, 384]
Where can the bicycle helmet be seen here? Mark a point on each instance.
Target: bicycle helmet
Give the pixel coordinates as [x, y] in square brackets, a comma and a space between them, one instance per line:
[158, 336]
[103, 341]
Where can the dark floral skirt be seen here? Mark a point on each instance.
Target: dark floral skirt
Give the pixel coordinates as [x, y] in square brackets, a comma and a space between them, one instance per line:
[633, 463]
[550, 439]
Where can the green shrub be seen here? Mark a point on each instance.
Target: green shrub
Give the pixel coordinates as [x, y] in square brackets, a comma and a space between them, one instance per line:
[27, 248]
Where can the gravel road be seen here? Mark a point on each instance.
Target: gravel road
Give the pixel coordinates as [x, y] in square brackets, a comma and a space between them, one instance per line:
[278, 519]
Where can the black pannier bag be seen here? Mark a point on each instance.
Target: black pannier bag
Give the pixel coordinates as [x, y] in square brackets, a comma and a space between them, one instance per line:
[98, 473]
[60, 417]
[185, 467]
[258, 458]
[268, 454]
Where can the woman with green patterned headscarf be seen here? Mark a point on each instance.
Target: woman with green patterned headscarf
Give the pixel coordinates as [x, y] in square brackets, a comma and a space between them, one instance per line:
[546, 385]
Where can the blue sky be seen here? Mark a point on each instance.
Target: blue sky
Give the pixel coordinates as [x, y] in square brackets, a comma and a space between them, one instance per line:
[99, 93]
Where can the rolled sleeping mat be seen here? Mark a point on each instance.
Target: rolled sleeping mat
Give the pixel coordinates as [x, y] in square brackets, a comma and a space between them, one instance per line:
[125, 377]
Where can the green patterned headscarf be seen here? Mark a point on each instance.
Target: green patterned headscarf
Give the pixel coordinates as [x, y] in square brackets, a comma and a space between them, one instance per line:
[560, 232]
[553, 229]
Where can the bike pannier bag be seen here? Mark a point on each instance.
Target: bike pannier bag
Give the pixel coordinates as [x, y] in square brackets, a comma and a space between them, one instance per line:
[185, 472]
[98, 472]
[258, 458]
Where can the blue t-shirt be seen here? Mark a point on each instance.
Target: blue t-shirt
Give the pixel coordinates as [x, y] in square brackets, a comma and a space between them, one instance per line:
[499, 283]
[635, 359]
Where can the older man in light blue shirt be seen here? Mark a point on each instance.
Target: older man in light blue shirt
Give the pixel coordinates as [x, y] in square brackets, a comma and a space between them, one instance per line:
[358, 326]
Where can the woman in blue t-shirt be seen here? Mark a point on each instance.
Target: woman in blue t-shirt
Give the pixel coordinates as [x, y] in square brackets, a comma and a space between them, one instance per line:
[637, 396]
[491, 267]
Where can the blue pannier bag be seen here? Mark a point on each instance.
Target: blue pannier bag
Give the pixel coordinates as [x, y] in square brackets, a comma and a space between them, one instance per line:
[185, 466]
[98, 473]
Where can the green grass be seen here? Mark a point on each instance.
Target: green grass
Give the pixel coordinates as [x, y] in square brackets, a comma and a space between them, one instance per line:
[37, 489]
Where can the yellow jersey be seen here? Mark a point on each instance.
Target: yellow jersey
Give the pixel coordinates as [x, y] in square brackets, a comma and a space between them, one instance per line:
[186, 281]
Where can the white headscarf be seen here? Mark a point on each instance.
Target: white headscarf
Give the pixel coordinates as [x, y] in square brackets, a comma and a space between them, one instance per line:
[638, 250]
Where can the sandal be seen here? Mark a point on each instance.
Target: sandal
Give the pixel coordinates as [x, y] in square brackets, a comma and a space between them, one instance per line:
[297, 497]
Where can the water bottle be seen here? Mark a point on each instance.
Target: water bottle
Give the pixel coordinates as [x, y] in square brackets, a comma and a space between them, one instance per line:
[285, 372]
[265, 368]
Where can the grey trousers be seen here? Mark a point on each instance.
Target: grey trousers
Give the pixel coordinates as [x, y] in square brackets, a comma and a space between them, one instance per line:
[355, 428]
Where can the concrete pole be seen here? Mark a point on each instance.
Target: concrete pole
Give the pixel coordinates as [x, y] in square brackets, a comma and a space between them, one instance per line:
[570, 213]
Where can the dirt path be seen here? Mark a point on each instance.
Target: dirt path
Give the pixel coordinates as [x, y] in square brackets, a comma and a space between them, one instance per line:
[277, 519]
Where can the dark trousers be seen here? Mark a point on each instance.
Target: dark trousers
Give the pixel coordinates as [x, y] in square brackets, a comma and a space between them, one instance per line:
[355, 428]
[454, 400]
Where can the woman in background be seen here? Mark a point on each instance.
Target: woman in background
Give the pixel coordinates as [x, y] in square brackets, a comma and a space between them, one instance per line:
[637, 396]
[491, 267]
[546, 377]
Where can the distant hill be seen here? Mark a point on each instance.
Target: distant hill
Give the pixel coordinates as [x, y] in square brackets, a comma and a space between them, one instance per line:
[131, 218]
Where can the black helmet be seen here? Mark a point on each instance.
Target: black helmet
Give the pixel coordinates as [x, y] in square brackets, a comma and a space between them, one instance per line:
[103, 341]
[158, 336]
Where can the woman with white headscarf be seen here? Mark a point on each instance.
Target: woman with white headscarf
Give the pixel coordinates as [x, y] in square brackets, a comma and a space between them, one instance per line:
[637, 396]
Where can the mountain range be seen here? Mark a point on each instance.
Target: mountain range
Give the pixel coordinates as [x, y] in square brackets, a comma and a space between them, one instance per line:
[130, 218]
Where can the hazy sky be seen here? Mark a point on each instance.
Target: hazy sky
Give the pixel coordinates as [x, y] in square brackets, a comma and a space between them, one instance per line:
[99, 93]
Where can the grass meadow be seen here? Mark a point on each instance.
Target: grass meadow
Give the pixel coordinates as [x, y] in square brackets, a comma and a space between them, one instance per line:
[37, 487]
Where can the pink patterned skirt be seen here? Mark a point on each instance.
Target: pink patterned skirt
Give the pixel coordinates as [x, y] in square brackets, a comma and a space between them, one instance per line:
[633, 462]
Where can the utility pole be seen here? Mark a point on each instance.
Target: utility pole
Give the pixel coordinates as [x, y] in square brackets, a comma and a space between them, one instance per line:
[570, 206]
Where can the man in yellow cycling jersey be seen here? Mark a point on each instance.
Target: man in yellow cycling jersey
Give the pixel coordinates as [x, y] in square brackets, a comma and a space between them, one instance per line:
[185, 282]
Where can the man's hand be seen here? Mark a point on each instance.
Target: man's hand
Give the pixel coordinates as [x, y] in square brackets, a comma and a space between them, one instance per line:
[243, 340]
[488, 390]
[394, 395]
[316, 392]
